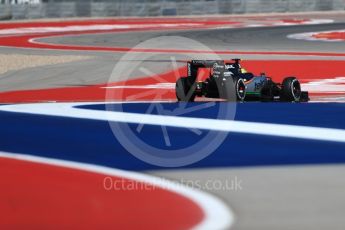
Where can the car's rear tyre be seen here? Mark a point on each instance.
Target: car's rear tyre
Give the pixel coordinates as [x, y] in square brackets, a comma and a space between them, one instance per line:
[291, 90]
[240, 89]
[184, 92]
[234, 90]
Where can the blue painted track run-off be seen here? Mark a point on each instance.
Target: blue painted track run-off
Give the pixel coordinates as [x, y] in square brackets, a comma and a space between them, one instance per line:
[92, 141]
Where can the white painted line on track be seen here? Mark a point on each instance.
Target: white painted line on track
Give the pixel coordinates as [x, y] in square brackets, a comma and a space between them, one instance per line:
[105, 27]
[217, 215]
[98, 27]
[331, 85]
[257, 128]
[307, 22]
[150, 86]
[310, 36]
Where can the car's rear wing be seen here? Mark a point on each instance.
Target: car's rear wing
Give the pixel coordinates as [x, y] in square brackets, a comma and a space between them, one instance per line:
[218, 67]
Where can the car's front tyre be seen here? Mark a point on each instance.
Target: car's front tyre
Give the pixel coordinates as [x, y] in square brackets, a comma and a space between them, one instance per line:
[291, 90]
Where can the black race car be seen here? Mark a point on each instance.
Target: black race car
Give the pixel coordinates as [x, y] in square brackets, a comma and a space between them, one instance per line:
[230, 82]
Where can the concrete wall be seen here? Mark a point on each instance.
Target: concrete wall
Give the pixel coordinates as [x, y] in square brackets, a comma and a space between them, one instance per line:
[99, 8]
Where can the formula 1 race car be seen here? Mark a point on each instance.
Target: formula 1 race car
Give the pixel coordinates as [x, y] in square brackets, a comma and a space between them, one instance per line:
[230, 82]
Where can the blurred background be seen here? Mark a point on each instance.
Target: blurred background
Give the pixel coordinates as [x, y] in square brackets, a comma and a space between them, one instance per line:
[30, 9]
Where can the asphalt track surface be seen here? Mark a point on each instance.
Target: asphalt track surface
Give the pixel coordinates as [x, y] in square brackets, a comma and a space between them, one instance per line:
[241, 39]
[287, 183]
[99, 69]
